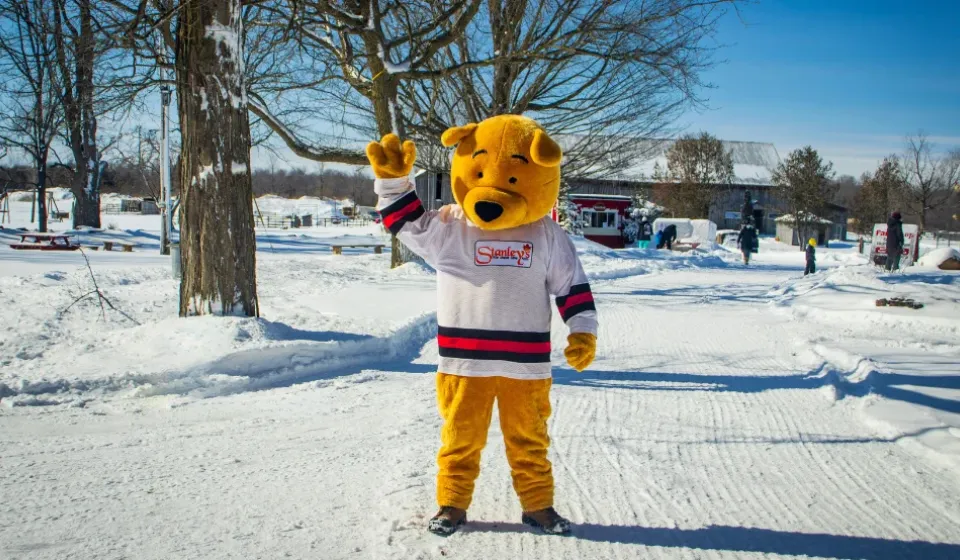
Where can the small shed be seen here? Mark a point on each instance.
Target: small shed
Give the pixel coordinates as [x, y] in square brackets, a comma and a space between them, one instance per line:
[787, 230]
[149, 206]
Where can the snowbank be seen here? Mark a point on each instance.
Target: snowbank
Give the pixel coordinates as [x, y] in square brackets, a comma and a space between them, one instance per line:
[902, 362]
[316, 324]
[937, 257]
[603, 263]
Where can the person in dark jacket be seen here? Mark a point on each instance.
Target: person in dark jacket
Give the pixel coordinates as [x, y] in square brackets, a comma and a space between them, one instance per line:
[667, 237]
[646, 232]
[747, 240]
[894, 241]
[811, 257]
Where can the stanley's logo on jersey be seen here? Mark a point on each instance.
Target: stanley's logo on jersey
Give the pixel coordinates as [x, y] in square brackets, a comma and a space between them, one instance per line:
[503, 253]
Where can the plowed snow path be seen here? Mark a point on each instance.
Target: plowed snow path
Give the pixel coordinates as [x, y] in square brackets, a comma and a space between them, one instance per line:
[699, 433]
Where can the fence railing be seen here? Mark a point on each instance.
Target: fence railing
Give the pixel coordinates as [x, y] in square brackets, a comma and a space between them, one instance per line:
[277, 221]
[944, 238]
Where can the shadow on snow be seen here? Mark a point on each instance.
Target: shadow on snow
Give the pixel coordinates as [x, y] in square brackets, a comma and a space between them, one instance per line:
[748, 539]
[888, 385]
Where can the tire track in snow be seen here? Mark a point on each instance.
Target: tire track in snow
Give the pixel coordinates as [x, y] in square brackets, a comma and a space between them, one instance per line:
[843, 481]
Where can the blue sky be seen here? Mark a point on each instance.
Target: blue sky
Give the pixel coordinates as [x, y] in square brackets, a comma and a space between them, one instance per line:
[849, 77]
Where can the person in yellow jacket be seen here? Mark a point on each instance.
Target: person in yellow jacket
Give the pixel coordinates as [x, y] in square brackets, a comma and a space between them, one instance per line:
[811, 257]
[499, 258]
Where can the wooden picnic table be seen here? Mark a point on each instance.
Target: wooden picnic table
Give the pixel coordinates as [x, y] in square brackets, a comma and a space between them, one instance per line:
[41, 241]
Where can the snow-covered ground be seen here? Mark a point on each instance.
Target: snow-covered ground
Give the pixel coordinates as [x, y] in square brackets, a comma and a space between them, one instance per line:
[733, 412]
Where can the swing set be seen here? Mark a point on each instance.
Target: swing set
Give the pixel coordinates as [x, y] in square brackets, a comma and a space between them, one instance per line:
[53, 210]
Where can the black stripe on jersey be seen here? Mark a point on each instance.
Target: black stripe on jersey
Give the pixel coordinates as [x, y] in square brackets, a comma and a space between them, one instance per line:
[483, 334]
[413, 216]
[574, 290]
[573, 310]
[516, 357]
[399, 204]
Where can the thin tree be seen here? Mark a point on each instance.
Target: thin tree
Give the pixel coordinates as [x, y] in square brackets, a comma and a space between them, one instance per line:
[930, 176]
[30, 115]
[698, 167]
[804, 186]
[880, 194]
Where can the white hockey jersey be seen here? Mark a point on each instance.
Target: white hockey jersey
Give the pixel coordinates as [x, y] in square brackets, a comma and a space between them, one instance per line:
[494, 287]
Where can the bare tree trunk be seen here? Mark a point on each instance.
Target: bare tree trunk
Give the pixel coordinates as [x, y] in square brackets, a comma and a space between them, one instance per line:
[42, 194]
[80, 115]
[387, 116]
[218, 246]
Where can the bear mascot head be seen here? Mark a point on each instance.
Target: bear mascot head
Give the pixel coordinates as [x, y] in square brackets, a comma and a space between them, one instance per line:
[505, 171]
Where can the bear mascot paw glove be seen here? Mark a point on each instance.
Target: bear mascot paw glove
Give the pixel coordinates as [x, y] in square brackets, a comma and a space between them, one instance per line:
[389, 159]
[581, 349]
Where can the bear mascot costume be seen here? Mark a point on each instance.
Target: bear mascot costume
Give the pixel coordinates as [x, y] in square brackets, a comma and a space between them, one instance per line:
[499, 258]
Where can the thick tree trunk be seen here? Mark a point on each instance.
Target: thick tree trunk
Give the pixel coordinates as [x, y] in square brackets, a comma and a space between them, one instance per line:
[76, 44]
[88, 201]
[86, 193]
[218, 246]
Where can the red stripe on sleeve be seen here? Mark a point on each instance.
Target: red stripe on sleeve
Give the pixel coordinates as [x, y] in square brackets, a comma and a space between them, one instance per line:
[576, 299]
[399, 214]
[493, 345]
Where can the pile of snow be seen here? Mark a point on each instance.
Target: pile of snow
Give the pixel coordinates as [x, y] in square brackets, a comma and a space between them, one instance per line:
[704, 234]
[52, 355]
[937, 257]
[603, 263]
[701, 232]
[901, 361]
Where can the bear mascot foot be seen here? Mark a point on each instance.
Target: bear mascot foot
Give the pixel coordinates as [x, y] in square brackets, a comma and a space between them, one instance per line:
[547, 520]
[447, 521]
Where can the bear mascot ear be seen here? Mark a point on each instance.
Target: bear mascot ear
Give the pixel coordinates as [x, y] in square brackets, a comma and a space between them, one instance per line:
[455, 134]
[544, 150]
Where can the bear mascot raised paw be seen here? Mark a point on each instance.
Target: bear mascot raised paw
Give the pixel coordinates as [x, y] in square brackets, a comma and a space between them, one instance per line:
[499, 258]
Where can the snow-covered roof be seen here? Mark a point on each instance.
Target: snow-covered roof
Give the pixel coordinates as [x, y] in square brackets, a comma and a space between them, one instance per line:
[753, 162]
[600, 196]
[788, 219]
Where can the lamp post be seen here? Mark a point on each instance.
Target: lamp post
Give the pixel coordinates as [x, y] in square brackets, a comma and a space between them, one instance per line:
[166, 207]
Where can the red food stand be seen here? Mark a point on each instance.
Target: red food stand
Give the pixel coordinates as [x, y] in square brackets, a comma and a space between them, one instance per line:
[603, 217]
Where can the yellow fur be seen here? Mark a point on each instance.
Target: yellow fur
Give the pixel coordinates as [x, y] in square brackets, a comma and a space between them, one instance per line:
[389, 160]
[581, 350]
[536, 173]
[466, 405]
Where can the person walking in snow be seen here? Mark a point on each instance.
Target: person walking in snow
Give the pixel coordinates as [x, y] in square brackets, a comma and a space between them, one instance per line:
[811, 257]
[646, 232]
[746, 241]
[894, 241]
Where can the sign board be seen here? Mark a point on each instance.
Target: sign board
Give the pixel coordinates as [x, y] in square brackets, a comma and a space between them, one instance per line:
[879, 246]
[600, 207]
[731, 215]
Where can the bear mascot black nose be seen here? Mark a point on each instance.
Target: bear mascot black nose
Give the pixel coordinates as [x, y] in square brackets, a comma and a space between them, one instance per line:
[488, 211]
